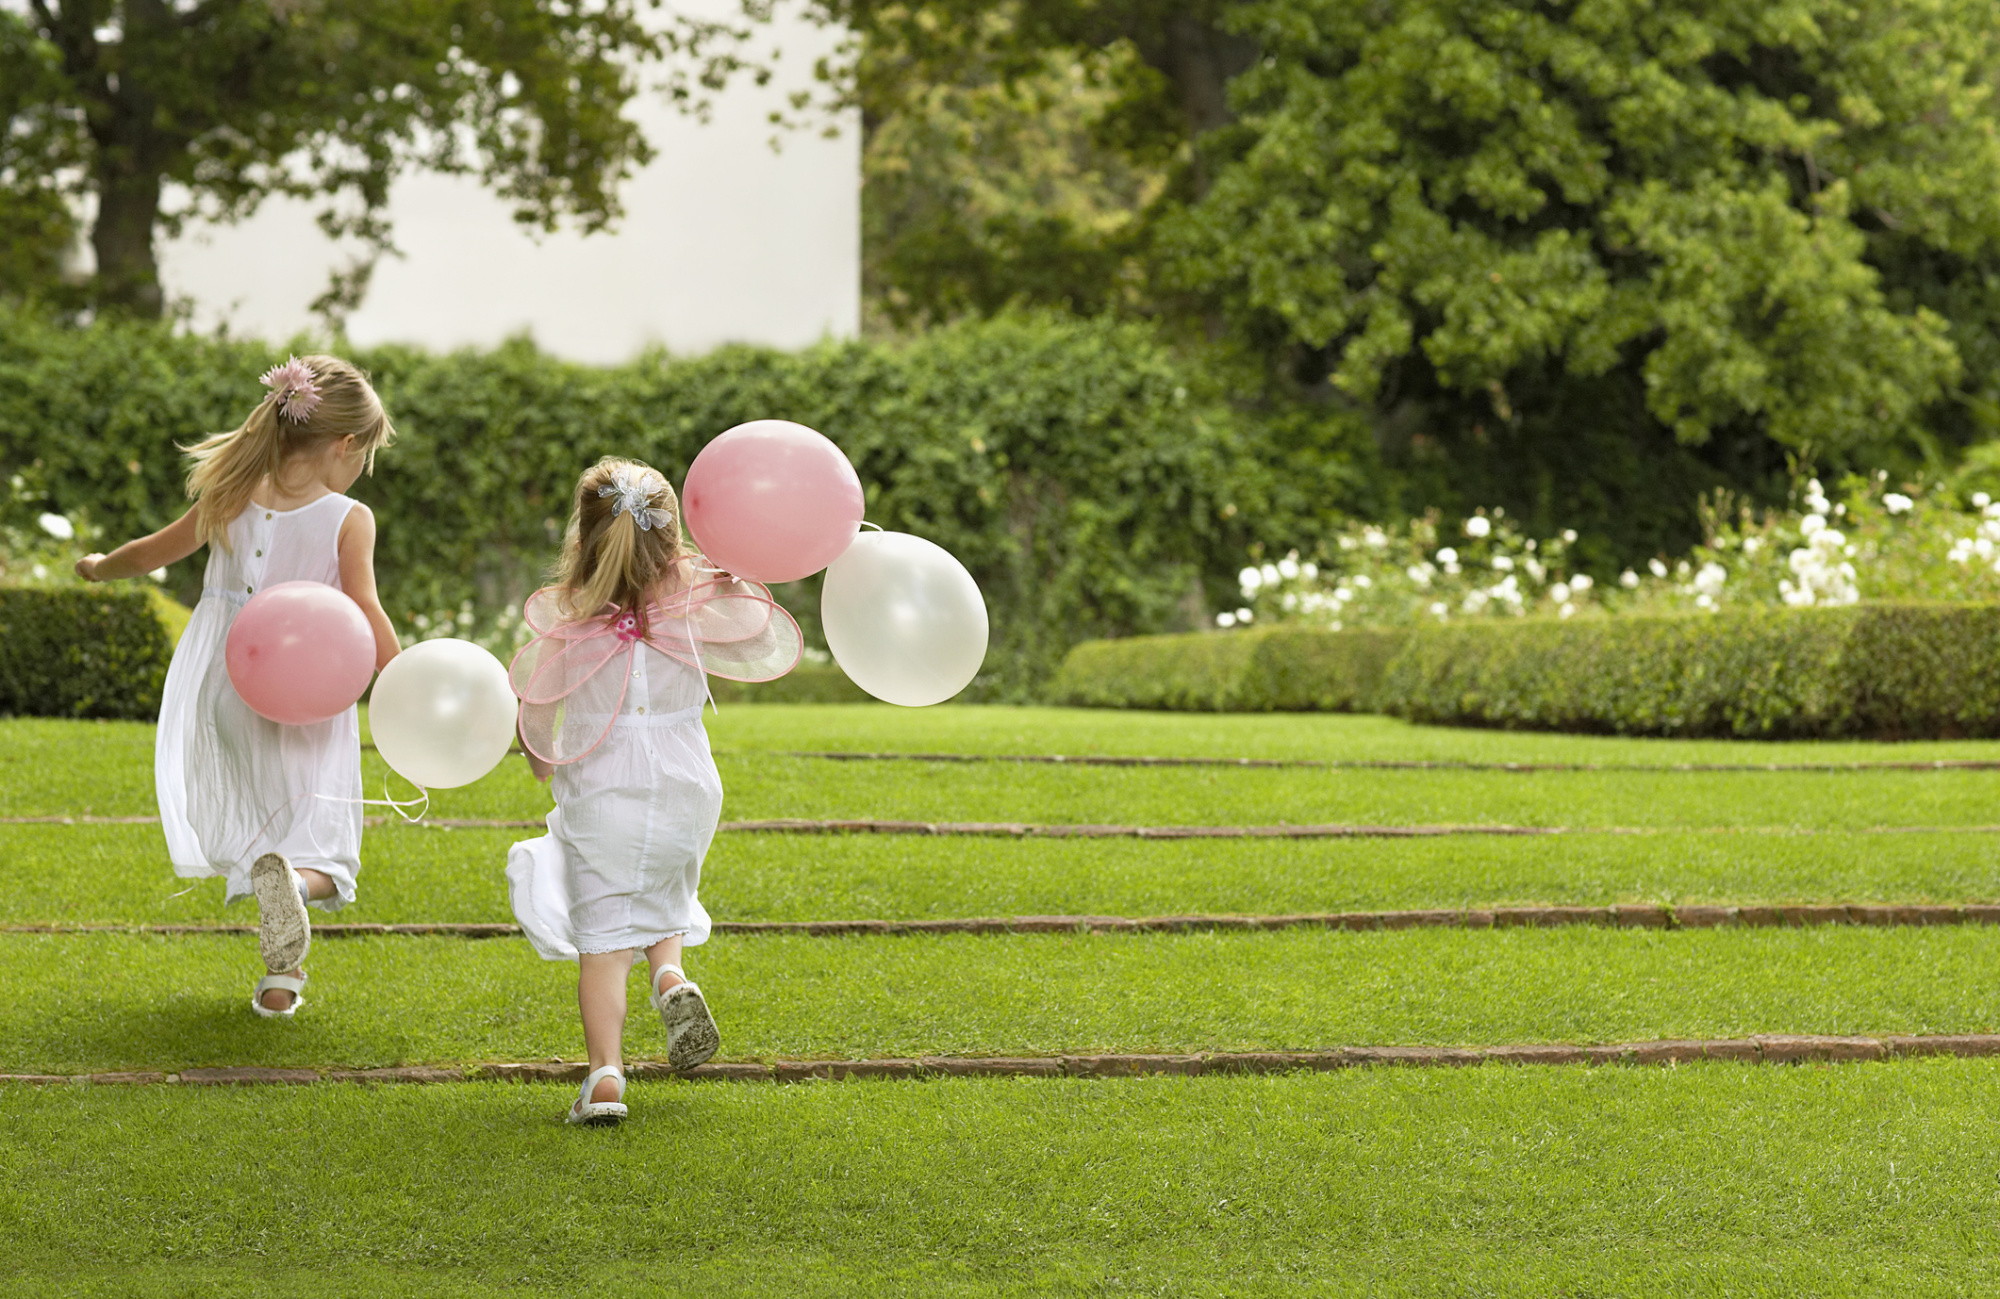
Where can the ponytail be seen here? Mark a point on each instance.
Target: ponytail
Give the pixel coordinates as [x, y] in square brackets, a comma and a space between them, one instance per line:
[228, 467]
[607, 558]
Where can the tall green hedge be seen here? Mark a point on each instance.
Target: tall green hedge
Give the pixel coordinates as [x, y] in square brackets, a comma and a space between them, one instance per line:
[1888, 671]
[1089, 481]
[81, 653]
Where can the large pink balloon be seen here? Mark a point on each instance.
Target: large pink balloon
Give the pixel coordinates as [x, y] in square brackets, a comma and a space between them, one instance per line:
[772, 501]
[300, 652]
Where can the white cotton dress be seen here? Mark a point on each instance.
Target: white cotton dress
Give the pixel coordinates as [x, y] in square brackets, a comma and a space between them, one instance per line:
[233, 785]
[637, 794]
[621, 863]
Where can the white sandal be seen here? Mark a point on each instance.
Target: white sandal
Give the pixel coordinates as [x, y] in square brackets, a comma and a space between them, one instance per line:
[283, 931]
[278, 983]
[691, 1034]
[599, 1114]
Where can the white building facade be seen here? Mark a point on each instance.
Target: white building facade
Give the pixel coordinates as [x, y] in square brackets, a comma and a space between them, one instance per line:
[724, 239]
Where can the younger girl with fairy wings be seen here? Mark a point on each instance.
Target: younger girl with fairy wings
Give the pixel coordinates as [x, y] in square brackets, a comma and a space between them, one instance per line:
[611, 690]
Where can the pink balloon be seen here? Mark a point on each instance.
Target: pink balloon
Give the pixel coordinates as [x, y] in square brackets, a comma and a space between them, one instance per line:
[300, 652]
[772, 501]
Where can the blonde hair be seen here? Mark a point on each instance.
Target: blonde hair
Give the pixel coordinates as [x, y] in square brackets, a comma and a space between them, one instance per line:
[227, 467]
[607, 559]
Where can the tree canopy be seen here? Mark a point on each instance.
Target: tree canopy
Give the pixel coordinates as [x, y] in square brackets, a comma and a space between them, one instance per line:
[227, 102]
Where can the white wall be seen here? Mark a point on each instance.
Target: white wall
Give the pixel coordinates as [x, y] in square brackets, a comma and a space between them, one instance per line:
[723, 241]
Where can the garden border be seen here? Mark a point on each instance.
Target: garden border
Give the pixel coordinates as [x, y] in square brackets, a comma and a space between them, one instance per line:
[1762, 1048]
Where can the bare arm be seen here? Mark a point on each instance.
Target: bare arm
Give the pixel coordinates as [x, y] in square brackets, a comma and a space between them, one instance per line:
[357, 579]
[169, 545]
[542, 770]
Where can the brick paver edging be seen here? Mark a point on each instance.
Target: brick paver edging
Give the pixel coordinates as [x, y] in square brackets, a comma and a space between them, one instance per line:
[1621, 916]
[1774, 1048]
[1384, 764]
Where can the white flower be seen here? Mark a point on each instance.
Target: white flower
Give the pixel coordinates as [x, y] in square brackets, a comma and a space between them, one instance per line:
[1474, 601]
[1710, 579]
[1309, 571]
[1503, 564]
[1288, 567]
[1569, 535]
[58, 527]
[1249, 579]
[1582, 582]
[1984, 547]
[1628, 579]
[1269, 573]
[40, 571]
[158, 575]
[1289, 602]
[1896, 502]
[1447, 556]
[1704, 601]
[1375, 537]
[1420, 574]
[1559, 593]
[1811, 524]
[1225, 620]
[1829, 540]
[1363, 581]
[1535, 569]
[1243, 615]
[1451, 569]
[1347, 542]
[1659, 569]
[1477, 526]
[1567, 609]
[1751, 545]
[1439, 610]
[1980, 500]
[1342, 594]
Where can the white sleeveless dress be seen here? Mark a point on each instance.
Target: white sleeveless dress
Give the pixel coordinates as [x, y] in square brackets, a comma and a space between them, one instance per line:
[233, 785]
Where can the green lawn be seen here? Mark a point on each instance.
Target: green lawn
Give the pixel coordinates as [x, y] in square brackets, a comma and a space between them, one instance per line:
[1844, 1180]
[118, 874]
[118, 1001]
[1707, 1180]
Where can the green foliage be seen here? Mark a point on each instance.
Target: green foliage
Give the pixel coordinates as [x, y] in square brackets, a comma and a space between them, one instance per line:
[75, 653]
[233, 102]
[1287, 669]
[1890, 670]
[1688, 194]
[1090, 482]
[808, 683]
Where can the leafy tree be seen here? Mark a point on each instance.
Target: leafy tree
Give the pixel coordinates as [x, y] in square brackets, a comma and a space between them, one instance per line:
[231, 101]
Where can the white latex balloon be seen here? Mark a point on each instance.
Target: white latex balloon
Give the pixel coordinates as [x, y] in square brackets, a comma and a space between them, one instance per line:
[442, 713]
[904, 620]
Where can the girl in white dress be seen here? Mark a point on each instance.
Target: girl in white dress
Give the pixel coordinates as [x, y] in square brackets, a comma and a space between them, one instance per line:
[611, 693]
[240, 795]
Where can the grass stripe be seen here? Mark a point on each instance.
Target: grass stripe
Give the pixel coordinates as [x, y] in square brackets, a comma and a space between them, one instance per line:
[114, 1002]
[1386, 764]
[1419, 1182]
[119, 875]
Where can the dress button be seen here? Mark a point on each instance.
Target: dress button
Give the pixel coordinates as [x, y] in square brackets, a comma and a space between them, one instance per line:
[249, 590]
[267, 514]
[642, 708]
[260, 554]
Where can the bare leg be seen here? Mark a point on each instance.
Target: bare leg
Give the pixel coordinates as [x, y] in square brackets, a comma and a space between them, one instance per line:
[665, 952]
[318, 885]
[600, 995]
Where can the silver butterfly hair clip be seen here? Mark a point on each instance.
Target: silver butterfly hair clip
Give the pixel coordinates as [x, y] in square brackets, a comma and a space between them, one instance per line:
[635, 496]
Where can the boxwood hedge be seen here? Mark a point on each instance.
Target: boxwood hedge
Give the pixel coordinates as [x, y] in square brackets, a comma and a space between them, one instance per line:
[1888, 670]
[81, 653]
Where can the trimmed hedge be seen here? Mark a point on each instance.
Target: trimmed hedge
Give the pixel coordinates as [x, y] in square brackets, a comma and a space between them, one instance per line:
[808, 683]
[1284, 669]
[1091, 481]
[81, 653]
[1889, 671]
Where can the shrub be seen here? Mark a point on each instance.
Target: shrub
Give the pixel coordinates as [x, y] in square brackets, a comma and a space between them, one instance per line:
[1890, 671]
[808, 683]
[80, 653]
[1269, 669]
[1091, 482]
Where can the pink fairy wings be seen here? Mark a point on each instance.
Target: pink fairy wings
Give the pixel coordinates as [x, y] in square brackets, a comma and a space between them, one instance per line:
[728, 628]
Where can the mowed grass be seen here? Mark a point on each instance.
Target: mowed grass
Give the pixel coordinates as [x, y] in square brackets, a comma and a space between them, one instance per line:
[1705, 1180]
[103, 770]
[119, 874]
[119, 1001]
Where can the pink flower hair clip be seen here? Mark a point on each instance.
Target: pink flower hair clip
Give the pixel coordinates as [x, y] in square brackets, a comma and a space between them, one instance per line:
[295, 387]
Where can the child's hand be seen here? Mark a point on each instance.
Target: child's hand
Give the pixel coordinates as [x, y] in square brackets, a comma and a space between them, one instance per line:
[86, 568]
[541, 769]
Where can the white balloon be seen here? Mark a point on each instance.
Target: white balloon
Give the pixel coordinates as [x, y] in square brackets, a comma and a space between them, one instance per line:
[904, 620]
[442, 713]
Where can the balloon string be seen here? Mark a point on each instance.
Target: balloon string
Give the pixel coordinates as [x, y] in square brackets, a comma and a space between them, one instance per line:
[878, 527]
[385, 801]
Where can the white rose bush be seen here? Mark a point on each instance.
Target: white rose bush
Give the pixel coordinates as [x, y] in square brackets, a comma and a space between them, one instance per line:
[1864, 541]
